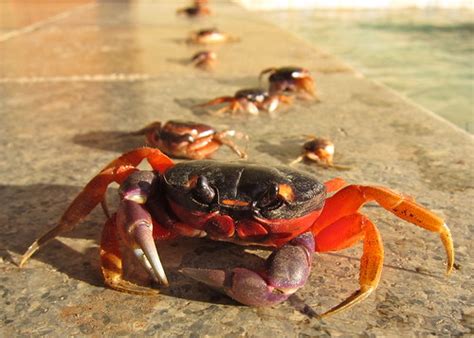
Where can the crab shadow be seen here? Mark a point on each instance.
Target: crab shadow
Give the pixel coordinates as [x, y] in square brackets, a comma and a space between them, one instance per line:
[32, 210]
[286, 150]
[180, 61]
[193, 105]
[116, 141]
[240, 82]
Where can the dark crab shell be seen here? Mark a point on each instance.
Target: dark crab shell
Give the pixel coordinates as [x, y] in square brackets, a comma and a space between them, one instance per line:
[288, 73]
[177, 131]
[245, 185]
[252, 94]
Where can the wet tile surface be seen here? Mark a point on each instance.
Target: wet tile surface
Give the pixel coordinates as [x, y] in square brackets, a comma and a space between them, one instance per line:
[67, 108]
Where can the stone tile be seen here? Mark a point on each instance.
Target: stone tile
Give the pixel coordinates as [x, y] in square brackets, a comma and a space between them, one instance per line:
[18, 14]
[56, 133]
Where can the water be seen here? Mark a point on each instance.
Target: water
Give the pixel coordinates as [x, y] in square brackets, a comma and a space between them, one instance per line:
[427, 55]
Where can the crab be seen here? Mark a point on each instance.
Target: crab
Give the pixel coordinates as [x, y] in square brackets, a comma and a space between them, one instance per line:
[210, 36]
[319, 150]
[240, 203]
[249, 100]
[195, 10]
[290, 79]
[204, 60]
[187, 139]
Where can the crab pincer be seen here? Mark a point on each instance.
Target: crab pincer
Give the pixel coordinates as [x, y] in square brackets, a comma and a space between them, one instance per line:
[286, 270]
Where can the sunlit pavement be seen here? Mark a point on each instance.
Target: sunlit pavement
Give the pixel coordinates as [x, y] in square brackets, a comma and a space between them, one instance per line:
[77, 77]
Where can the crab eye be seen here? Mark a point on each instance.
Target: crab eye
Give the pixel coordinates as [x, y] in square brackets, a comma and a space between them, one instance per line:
[270, 198]
[202, 191]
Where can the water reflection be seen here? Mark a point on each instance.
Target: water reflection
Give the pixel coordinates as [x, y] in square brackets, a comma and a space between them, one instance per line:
[426, 55]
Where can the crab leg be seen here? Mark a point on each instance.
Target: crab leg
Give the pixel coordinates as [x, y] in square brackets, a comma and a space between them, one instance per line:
[265, 71]
[350, 199]
[307, 85]
[93, 193]
[286, 270]
[340, 226]
[234, 106]
[351, 229]
[222, 138]
[218, 100]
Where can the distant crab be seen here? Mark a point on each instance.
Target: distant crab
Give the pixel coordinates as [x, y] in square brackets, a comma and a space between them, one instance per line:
[185, 139]
[290, 80]
[195, 10]
[319, 150]
[210, 36]
[249, 100]
[205, 60]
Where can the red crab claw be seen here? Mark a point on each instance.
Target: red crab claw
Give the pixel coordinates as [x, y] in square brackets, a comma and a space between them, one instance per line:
[286, 270]
[93, 193]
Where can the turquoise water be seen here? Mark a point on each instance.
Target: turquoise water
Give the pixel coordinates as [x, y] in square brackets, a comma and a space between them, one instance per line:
[427, 55]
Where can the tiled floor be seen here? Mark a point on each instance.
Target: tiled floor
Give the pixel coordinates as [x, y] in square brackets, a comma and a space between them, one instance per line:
[87, 73]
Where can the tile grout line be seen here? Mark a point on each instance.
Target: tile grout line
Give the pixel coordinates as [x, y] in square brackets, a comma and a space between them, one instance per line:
[114, 77]
[39, 24]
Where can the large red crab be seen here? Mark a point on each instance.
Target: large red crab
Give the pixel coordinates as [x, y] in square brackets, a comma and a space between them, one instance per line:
[244, 204]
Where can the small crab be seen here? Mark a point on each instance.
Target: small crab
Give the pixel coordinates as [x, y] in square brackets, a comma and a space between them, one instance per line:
[249, 100]
[241, 203]
[319, 150]
[210, 36]
[204, 59]
[195, 10]
[185, 139]
[290, 79]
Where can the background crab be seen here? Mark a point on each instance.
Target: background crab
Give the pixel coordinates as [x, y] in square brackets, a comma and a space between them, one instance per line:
[187, 139]
[290, 80]
[250, 101]
[210, 36]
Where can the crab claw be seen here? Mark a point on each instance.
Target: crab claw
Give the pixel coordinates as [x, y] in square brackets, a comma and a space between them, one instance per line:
[136, 229]
[286, 270]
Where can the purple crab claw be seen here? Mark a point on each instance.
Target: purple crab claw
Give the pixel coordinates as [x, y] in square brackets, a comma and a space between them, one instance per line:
[137, 231]
[286, 270]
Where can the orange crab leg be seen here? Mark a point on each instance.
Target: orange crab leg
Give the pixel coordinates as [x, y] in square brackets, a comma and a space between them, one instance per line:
[335, 184]
[218, 100]
[234, 106]
[222, 138]
[111, 262]
[350, 230]
[307, 85]
[350, 199]
[203, 148]
[93, 193]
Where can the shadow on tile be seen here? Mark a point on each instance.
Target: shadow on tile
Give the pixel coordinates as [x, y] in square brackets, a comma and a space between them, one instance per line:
[180, 61]
[33, 209]
[286, 151]
[240, 82]
[192, 104]
[116, 141]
